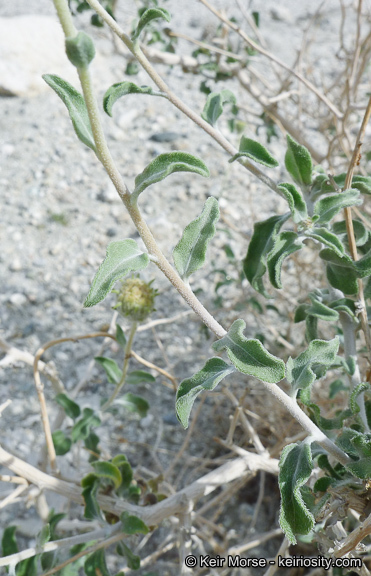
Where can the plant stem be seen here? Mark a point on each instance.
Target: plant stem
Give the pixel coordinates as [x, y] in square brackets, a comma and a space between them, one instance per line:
[176, 101]
[291, 405]
[356, 157]
[106, 159]
[125, 367]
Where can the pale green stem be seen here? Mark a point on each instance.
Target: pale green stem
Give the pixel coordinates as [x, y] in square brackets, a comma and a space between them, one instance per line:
[318, 436]
[146, 235]
[176, 101]
[65, 18]
[125, 366]
[106, 159]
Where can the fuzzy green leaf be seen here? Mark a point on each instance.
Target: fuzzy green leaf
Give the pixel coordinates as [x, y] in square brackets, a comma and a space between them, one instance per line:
[326, 423]
[82, 427]
[147, 17]
[62, 443]
[359, 389]
[69, 406]
[363, 265]
[76, 107]
[166, 164]
[139, 376]
[249, 355]
[132, 560]
[321, 311]
[126, 472]
[340, 271]
[295, 469]
[325, 237]
[345, 305]
[360, 232]
[190, 252]
[362, 183]
[90, 487]
[214, 371]
[43, 536]
[96, 564]
[255, 151]
[132, 524]
[122, 257]
[121, 89]
[361, 468]
[298, 162]
[120, 337]
[295, 201]
[80, 49]
[107, 471]
[113, 372]
[262, 242]
[285, 244]
[327, 208]
[133, 403]
[213, 108]
[300, 372]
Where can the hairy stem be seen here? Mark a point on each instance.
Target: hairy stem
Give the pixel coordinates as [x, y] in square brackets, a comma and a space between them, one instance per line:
[291, 405]
[106, 159]
[176, 101]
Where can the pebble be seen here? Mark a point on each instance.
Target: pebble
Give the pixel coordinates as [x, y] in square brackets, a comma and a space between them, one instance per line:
[18, 299]
[15, 265]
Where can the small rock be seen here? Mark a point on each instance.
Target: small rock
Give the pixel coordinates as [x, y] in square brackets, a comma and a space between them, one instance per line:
[111, 232]
[281, 14]
[147, 421]
[16, 265]
[108, 194]
[18, 299]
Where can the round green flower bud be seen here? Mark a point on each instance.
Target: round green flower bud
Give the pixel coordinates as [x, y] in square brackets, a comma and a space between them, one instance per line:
[136, 299]
[80, 50]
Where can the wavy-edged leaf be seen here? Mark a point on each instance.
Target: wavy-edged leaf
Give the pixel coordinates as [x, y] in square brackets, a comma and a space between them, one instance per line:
[121, 89]
[133, 403]
[321, 310]
[362, 183]
[132, 524]
[132, 560]
[360, 231]
[147, 17]
[359, 389]
[190, 252]
[107, 471]
[139, 376]
[95, 564]
[295, 200]
[90, 486]
[76, 107]
[249, 355]
[298, 162]
[327, 238]
[122, 257]
[62, 443]
[301, 371]
[113, 372]
[166, 164]
[360, 468]
[295, 469]
[255, 151]
[340, 271]
[69, 406]
[82, 427]
[214, 106]
[346, 305]
[261, 243]
[334, 423]
[363, 265]
[285, 244]
[326, 208]
[214, 371]
[125, 469]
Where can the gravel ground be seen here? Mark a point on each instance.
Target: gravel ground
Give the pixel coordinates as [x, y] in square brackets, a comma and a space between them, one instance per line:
[59, 211]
